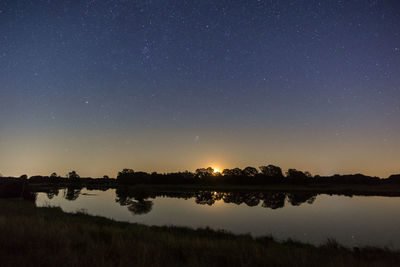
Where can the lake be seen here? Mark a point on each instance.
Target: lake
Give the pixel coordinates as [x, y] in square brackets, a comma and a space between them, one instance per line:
[307, 217]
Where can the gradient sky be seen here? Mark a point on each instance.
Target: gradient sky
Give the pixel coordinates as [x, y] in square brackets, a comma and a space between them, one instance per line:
[162, 85]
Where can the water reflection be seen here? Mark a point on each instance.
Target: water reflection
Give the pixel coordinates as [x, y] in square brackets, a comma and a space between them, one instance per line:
[72, 193]
[140, 207]
[297, 199]
[281, 214]
[274, 201]
[52, 193]
[137, 200]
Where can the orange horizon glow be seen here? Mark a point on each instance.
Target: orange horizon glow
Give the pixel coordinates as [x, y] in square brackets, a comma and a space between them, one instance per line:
[216, 170]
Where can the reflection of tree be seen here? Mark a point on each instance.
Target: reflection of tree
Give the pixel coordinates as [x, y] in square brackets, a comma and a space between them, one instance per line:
[271, 171]
[208, 197]
[204, 172]
[52, 193]
[233, 198]
[249, 171]
[123, 201]
[252, 201]
[135, 200]
[299, 198]
[72, 193]
[205, 197]
[140, 207]
[274, 200]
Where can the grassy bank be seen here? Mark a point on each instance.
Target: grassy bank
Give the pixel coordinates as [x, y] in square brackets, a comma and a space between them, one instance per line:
[50, 237]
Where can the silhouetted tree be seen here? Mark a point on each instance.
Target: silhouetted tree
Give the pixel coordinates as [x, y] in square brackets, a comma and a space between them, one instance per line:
[296, 176]
[128, 176]
[126, 172]
[204, 172]
[232, 172]
[249, 171]
[226, 172]
[395, 179]
[125, 176]
[106, 177]
[236, 172]
[53, 175]
[293, 173]
[73, 175]
[271, 170]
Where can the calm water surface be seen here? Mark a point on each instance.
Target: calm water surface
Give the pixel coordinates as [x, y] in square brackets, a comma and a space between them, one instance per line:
[352, 221]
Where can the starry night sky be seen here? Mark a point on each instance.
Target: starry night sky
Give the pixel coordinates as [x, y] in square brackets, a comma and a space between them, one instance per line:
[162, 85]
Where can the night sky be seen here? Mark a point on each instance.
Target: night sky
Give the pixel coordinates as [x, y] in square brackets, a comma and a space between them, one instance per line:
[159, 85]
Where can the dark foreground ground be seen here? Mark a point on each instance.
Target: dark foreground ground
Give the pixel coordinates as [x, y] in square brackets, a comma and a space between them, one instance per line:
[31, 236]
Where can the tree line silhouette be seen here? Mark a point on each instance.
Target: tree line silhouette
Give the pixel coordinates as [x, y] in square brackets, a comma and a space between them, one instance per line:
[264, 175]
[269, 174]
